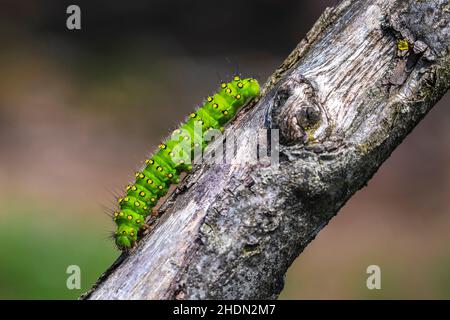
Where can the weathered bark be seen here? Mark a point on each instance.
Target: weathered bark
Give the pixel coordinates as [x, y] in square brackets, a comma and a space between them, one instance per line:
[343, 100]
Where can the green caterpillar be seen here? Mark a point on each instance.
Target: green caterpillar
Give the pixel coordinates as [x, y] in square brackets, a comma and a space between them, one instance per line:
[166, 165]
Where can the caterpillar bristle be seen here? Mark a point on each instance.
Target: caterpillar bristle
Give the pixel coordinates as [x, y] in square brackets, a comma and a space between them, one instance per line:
[110, 204]
[115, 192]
[109, 235]
[236, 71]
[235, 67]
[112, 235]
[219, 77]
[108, 211]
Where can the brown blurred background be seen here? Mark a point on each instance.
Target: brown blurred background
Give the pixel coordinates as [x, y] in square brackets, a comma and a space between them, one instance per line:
[79, 110]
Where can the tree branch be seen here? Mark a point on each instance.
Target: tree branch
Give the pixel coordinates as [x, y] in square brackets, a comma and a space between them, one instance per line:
[342, 101]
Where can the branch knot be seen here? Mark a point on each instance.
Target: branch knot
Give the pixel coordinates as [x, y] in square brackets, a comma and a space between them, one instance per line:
[296, 111]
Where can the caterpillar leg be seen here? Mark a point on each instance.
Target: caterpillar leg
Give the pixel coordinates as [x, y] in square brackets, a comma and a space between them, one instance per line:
[145, 229]
[154, 213]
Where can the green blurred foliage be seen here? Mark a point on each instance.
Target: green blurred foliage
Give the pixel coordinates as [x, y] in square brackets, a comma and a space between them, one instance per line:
[40, 243]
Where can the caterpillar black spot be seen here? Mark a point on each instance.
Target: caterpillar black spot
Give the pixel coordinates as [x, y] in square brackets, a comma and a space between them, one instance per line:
[173, 157]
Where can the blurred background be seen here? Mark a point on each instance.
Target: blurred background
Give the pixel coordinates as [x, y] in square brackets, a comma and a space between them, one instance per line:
[80, 110]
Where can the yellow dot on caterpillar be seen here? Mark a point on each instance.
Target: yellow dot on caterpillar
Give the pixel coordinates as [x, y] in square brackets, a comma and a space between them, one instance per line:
[141, 176]
[223, 85]
[126, 199]
[162, 146]
[238, 96]
[170, 175]
[116, 214]
[136, 174]
[145, 208]
[209, 99]
[152, 199]
[171, 154]
[130, 217]
[142, 193]
[137, 204]
[121, 214]
[160, 187]
[147, 161]
[181, 161]
[186, 138]
[149, 181]
[138, 221]
[236, 78]
[150, 161]
[215, 105]
[225, 112]
[159, 169]
[193, 115]
[228, 90]
[120, 200]
[240, 85]
[124, 232]
[132, 233]
[128, 188]
[133, 188]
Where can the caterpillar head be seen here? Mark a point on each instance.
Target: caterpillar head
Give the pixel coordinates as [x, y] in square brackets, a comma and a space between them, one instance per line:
[126, 236]
[251, 86]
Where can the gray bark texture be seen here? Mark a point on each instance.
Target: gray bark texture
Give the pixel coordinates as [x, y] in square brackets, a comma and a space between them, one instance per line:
[342, 101]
